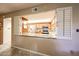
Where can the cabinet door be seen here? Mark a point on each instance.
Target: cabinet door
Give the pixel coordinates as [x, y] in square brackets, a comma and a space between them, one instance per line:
[1, 30]
[64, 22]
[67, 21]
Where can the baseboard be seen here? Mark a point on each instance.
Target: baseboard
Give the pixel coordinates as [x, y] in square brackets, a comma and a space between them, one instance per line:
[34, 52]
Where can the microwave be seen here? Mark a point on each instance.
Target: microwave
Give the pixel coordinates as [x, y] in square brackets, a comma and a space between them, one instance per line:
[45, 30]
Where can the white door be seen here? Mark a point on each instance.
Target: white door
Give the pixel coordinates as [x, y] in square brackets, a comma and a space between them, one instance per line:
[7, 32]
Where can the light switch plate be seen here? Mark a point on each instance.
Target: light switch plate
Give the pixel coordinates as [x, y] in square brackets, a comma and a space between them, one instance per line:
[77, 30]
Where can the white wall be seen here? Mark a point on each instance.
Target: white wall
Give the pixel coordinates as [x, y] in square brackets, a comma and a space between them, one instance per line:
[43, 15]
[75, 36]
[17, 25]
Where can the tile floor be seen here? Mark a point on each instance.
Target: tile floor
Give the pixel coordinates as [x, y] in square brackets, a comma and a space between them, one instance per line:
[18, 52]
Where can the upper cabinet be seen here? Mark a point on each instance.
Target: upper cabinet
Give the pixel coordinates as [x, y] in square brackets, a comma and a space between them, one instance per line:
[24, 25]
[64, 22]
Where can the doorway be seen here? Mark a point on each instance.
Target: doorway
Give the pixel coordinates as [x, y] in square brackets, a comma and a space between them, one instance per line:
[6, 34]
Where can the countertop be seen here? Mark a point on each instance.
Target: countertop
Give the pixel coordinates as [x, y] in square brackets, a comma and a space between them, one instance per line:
[49, 36]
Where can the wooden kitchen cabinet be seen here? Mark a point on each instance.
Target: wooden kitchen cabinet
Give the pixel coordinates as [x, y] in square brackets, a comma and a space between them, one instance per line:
[24, 25]
[1, 29]
[41, 25]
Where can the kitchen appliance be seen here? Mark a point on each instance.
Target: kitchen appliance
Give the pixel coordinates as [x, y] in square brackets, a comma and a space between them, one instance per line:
[45, 30]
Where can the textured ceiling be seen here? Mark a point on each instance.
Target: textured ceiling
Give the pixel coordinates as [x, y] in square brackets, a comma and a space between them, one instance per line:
[10, 7]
